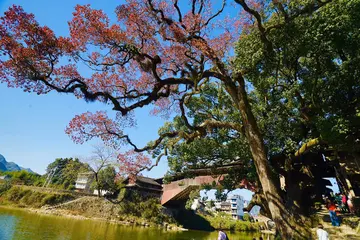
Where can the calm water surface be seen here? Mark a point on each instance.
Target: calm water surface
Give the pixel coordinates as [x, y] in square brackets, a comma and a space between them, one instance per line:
[17, 224]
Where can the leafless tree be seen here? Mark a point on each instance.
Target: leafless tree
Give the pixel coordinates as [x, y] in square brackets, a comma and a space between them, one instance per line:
[101, 158]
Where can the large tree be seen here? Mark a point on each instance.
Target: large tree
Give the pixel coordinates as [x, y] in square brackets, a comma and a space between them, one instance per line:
[159, 52]
[307, 90]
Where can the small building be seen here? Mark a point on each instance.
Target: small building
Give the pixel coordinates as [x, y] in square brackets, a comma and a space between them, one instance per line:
[225, 207]
[233, 206]
[144, 185]
[237, 206]
[84, 181]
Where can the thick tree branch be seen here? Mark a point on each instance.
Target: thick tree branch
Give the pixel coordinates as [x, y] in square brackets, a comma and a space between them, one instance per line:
[308, 145]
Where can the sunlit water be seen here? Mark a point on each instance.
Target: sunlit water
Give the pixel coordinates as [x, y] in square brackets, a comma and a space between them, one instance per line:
[16, 224]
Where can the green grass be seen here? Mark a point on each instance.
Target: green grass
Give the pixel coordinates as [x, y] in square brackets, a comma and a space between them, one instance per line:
[22, 197]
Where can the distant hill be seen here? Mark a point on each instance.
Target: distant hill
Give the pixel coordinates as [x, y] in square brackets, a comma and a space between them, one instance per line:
[10, 166]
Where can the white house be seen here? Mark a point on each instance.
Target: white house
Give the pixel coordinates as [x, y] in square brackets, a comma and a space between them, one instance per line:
[83, 181]
[233, 205]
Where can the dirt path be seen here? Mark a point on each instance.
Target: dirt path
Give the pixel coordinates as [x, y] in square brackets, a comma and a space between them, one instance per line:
[343, 231]
[64, 204]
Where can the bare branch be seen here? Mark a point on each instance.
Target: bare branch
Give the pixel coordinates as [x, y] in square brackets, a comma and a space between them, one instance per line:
[216, 14]
[103, 156]
[178, 10]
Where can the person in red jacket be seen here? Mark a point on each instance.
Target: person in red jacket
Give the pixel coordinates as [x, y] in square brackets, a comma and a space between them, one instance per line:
[333, 217]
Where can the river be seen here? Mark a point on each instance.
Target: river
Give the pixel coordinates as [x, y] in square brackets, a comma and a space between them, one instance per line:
[18, 224]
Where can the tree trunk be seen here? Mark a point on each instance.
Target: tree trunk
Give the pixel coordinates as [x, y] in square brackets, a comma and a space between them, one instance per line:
[97, 184]
[287, 226]
[259, 199]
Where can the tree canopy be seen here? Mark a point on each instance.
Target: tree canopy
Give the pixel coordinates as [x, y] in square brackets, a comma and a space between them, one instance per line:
[63, 172]
[283, 87]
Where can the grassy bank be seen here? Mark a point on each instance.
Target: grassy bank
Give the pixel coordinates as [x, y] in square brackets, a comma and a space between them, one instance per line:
[127, 210]
[209, 221]
[24, 197]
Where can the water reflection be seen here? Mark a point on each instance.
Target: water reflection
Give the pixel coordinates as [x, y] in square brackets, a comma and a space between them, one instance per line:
[20, 225]
[7, 226]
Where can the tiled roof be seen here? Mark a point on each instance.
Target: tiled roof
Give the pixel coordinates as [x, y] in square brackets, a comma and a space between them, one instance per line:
[147, 180]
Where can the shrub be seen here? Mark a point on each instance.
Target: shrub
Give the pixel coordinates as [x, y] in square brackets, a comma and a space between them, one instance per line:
[5, 186]
[137, 206]
[53, 199]
[247, 217]
[224, 221]
[16, 193]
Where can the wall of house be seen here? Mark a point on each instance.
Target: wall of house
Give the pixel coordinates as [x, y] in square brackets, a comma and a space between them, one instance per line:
[237, 205]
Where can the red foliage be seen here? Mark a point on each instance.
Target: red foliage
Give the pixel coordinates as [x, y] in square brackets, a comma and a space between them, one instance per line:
[88, 125]
[131, 162]
[148, 57]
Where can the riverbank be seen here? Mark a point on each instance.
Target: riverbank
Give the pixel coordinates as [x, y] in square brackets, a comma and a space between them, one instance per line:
[21, 224]
[132, 210]
[69, 214]
[148, 213]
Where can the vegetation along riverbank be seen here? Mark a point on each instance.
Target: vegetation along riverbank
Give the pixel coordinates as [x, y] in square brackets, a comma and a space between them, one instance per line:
[125, 209]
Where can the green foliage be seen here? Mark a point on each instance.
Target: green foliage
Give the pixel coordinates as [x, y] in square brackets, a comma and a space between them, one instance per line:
[299, 90]
[143, 207]
[307, 86]
[106, 180]
[194, 194]
[64, 172]
[24, 177]
[317, 206]
[224, 221]
[5, 186]
[247, 217]
[210, 204]
[220, 147]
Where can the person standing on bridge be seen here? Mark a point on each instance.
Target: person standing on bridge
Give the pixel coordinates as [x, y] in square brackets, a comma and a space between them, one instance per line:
[222, 235]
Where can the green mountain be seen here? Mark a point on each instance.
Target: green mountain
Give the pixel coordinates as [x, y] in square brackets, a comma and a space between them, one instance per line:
[10, 166]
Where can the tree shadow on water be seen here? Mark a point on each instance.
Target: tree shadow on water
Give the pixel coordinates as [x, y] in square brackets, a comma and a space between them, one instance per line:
[190, 220]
